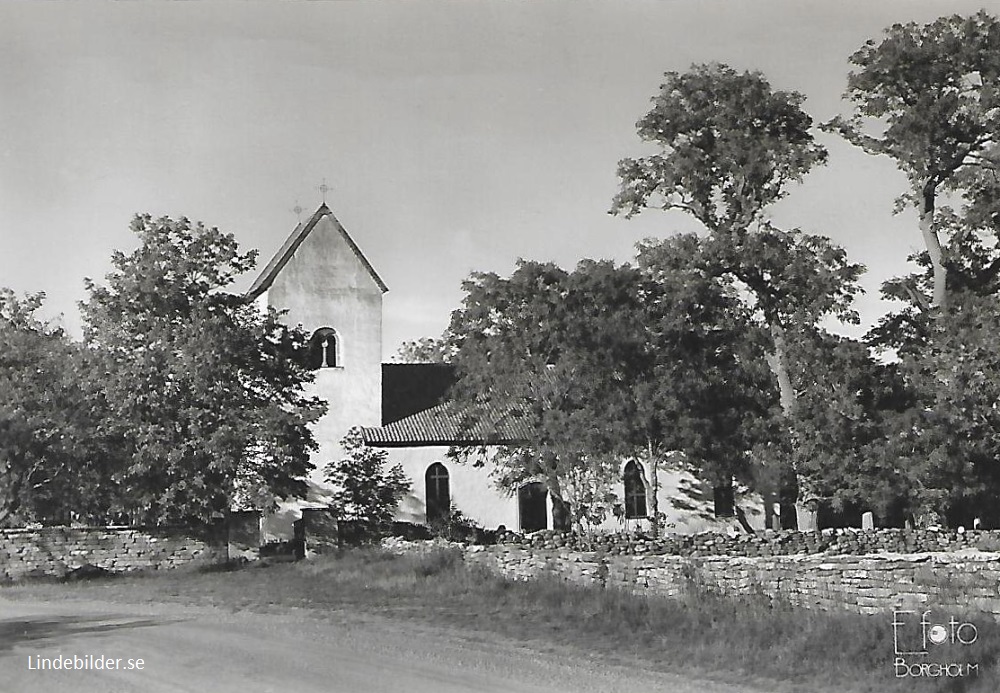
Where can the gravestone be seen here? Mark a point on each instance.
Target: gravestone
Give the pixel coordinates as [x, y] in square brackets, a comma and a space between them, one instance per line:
[868, 520]
[807, 519]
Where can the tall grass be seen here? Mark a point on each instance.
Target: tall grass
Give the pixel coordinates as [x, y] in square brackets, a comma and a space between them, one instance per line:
[752, 638]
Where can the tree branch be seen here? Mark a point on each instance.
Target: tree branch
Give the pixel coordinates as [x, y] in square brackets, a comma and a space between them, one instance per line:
[915, 296]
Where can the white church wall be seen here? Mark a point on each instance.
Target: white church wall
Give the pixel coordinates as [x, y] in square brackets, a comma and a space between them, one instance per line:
[686, 502]
[472, 490]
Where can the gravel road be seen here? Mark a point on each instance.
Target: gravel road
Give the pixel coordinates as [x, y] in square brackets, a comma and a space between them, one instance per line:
[209, 650]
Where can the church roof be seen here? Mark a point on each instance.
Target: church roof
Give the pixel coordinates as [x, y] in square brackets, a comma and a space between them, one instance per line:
[446, 424]
[292, 243]
[408, 388]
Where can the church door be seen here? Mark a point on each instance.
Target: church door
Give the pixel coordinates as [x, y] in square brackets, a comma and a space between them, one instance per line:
[531, 506]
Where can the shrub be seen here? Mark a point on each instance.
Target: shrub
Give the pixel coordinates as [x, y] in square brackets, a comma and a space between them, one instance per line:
[365, 492]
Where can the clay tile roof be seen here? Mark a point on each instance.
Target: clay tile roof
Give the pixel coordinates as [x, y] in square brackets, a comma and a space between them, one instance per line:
[292, 243]
[445, 424]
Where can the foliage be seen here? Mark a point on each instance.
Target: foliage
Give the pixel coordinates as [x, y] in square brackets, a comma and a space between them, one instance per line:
[700, 387]
[598, 364]
[729, 148]
[424, 350]
[972, 257]
[773, 279]
[205, 394]
[513, 339]
[950, 443]
[457, 527]
[844, 423]
[929, 98]
[365, 491]
[49, 461]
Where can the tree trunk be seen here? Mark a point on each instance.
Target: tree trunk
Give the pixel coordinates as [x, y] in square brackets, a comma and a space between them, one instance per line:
[562, 518]
[933, 244]
[654, 482]
[787, 489]
[777, 361]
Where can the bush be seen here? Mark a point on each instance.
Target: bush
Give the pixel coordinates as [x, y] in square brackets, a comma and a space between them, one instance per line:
[458, 527]
[366, 490]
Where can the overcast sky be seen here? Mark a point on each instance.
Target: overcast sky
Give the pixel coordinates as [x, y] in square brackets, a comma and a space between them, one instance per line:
[456, 136]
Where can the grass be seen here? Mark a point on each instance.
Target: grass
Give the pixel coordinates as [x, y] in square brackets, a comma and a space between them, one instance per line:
[752, 639]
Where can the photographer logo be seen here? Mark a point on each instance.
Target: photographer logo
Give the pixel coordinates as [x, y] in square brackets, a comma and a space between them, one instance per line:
[927, 647]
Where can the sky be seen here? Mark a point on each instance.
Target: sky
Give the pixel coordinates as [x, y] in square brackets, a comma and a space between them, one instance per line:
[454, 136]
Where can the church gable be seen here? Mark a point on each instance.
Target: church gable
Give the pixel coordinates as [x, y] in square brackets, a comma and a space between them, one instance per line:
[322, 245]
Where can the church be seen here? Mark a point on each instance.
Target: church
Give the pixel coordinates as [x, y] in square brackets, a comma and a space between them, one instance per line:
[324, 282]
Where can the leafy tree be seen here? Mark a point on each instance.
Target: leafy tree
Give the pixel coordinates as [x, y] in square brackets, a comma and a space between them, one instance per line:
[950, 472]
[699, 386]
[204, 392]
[846, 423]
[729, 147]
[509, 340]
[948, 442]
[929, 98]
[597, 364]
[49, 463]
[364, 490]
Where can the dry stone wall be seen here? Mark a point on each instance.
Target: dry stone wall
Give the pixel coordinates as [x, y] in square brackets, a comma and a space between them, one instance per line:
[767, 543]
[963, 577]
[55, 551]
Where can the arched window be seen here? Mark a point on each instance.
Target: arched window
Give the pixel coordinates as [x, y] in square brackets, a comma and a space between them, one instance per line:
[324, 349]
[635, 491]
[438, 494]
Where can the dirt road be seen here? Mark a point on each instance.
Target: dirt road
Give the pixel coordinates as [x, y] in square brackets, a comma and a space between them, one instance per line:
[207, 650]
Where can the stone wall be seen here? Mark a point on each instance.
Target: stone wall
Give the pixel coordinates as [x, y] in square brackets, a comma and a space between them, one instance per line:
[961, 579]
[766, 543]
[55, 551]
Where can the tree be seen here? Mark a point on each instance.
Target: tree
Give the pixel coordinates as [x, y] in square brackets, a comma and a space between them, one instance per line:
[49, 465]
[365, 491]
[932, 96]
[205, 393]
[698, 387]
[973, 262]
[847, 419]
[509, 342]
[596, 366]
[927, 97]
[729, 147]
[947, 441]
